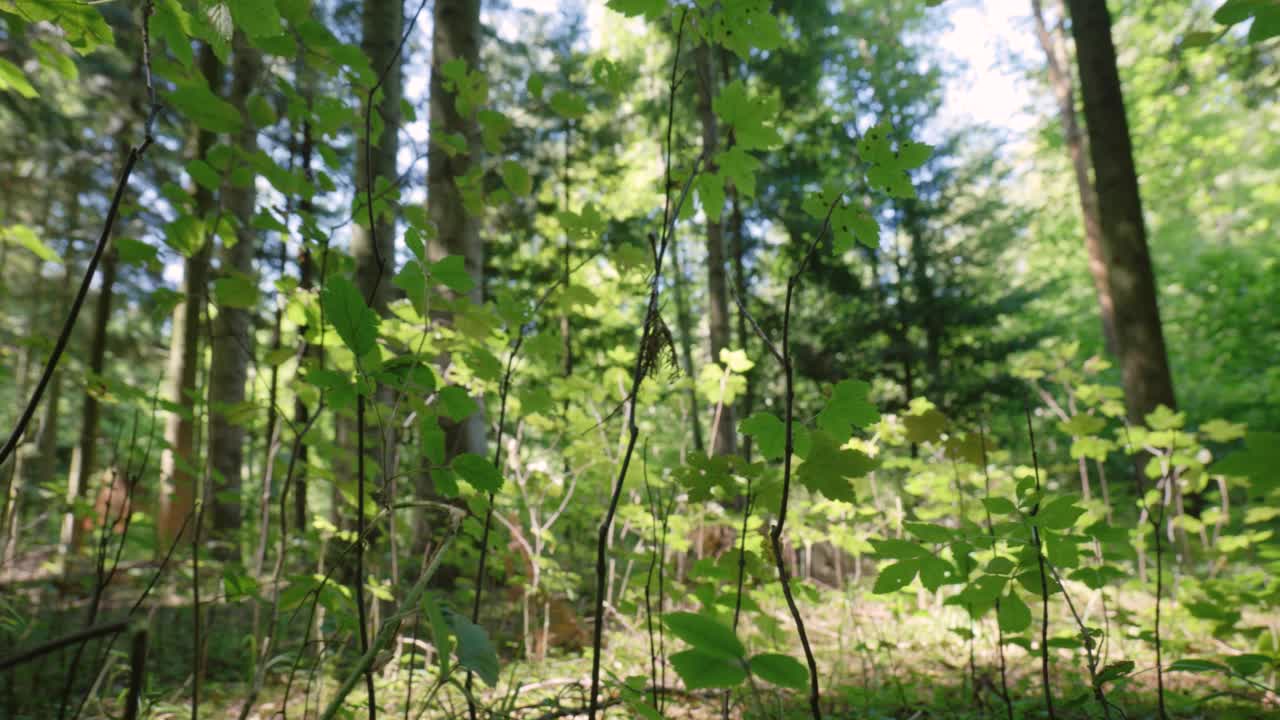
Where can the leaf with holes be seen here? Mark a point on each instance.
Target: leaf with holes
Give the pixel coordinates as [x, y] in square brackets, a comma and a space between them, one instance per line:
[896, 576]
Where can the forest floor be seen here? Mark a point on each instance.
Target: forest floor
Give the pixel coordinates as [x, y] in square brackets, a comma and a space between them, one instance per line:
[903, 658]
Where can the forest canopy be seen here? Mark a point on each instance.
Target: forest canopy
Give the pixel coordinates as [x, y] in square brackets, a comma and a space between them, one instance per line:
[533, 359]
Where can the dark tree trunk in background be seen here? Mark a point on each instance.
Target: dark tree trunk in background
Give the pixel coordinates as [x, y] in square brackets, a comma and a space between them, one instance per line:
[1060, 80]
[737, 243]
[1140, 343]
[179, 459]
[306, 281]
[456, 36]
[723, 429]
[375, 257]
[684, 324]
[232, 341]
[84, 455]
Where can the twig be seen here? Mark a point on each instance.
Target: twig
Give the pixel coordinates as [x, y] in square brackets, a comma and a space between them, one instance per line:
[1044, 580]
[58, 643]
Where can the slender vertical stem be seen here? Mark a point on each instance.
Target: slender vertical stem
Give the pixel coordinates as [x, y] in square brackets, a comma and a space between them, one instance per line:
[991, 532]
[358, 583]
[644, 351]
[1044, 580]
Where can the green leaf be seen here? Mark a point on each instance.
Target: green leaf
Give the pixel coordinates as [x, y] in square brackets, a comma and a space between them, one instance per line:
[475, 652]
[1062, 550]
[827, 467]
[912, 155]
[899, 549]
[413, 282]
[896, 576]
[1237, 11]
[257, 18]
[568, 105]
[1259, 461]
[25, 237]
[134, 252]
[1014, 616]
[705, 634]
[632, 8]
[478, 472]
[924, 426]
[186, 235]
[700, 670]
[210, 112]
[451, 272]
[12, 78]
[516, 178]
[1114, 671]
[456, 403]
[355, 322]
[781, 670]
[848, 408]
[237, 585]
[1059, 514]
[1083, 424]
[1000, 506]
[928, 532]
[235, 291]
[769, 432]
[748, 116]
[1197, 665]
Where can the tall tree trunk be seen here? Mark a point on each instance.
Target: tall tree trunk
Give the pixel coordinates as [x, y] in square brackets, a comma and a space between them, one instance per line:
[456, 36]
[737, 241]
[1139, 335]
[375, 256]
[723, 433]
[232, 341]
[1064, 93]
[684, 323]
[306, 281]
[84, 455]
[178, 472]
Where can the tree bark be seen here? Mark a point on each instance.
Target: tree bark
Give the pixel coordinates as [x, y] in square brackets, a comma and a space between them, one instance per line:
[456, 36]
[179, 459]
[723, 433]
[684, 323]
[1140, 342]
[737, 244]
[375, 256]
[1077, 149]
[232, 341]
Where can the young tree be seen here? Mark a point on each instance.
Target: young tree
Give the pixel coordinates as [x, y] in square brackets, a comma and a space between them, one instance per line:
[1144, 362]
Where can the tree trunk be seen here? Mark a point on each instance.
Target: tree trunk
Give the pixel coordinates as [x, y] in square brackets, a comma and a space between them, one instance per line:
[232, 341]
[723, 433]
[306, 281]
[1139, 335]
[1064, 93]
[684, 323]
[179, 460]
[737, 243]
[456, 36]
[374, 248]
